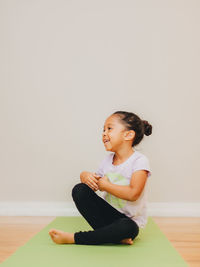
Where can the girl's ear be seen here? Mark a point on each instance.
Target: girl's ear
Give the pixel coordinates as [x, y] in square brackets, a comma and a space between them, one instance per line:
[130, 135]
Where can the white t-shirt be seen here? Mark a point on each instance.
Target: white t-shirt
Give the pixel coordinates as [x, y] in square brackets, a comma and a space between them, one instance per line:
[121, 174]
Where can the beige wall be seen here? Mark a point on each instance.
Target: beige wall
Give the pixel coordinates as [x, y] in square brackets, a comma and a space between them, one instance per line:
[67, 65]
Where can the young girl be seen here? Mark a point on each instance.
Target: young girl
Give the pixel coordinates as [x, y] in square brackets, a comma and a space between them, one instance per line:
[122, 176]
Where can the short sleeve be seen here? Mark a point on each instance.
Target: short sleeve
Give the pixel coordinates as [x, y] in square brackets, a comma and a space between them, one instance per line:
[142, 163]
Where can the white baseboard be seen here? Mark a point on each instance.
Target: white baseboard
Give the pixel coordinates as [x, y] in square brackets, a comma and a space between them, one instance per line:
[163, 209]
[174, 209]
[38, 209]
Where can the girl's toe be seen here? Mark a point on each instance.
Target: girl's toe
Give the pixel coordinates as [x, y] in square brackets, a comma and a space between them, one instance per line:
[51, 235]
[53, 231]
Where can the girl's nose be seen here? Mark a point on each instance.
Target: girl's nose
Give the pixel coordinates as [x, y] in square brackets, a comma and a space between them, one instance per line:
[104, 132]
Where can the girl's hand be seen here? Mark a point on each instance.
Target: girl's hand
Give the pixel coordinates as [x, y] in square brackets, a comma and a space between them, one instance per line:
[91, 179]
[102, 183]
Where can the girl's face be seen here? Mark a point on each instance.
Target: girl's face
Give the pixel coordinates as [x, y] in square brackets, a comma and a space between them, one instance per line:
[113, 133]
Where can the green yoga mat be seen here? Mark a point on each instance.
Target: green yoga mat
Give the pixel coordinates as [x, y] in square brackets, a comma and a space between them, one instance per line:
[150, 248]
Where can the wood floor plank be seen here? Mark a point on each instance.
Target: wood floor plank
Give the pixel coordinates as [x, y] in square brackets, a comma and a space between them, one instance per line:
[16, 231]
[184, 234]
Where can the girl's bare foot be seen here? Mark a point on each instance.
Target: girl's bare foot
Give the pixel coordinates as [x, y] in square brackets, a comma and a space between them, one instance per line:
[128, 241]
[60, 237]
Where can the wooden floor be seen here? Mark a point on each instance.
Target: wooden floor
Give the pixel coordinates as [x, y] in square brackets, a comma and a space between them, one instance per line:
[184, 234]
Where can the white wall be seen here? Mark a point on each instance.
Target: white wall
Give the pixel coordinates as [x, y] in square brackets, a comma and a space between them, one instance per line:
[67, 65]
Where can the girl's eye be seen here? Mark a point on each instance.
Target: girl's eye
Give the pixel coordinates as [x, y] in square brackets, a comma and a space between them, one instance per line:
[108, 128]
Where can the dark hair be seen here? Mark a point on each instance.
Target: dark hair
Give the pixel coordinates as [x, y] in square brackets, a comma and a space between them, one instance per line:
[132, 122]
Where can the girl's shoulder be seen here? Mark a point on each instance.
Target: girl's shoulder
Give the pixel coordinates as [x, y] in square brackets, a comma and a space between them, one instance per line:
[140, 155]
[140, 162]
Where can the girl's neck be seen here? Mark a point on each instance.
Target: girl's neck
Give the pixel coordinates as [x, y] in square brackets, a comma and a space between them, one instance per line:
[122, 155]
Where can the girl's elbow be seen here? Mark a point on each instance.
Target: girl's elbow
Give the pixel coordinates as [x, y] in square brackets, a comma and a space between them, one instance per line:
[134, 197]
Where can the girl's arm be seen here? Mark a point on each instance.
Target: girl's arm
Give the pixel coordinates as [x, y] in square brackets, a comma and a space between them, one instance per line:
[129, 192]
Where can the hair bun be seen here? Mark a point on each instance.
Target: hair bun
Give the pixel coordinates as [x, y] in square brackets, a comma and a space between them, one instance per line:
[147, 128]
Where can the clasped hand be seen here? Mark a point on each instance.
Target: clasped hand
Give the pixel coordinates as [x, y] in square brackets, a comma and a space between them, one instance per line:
[101, 182]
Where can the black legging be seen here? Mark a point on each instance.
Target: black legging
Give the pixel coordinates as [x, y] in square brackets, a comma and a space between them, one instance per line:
[110, 225]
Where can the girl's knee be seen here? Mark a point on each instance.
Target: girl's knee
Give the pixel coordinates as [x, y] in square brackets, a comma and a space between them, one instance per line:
[131, 227]
[134, 228]
[79, 190]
